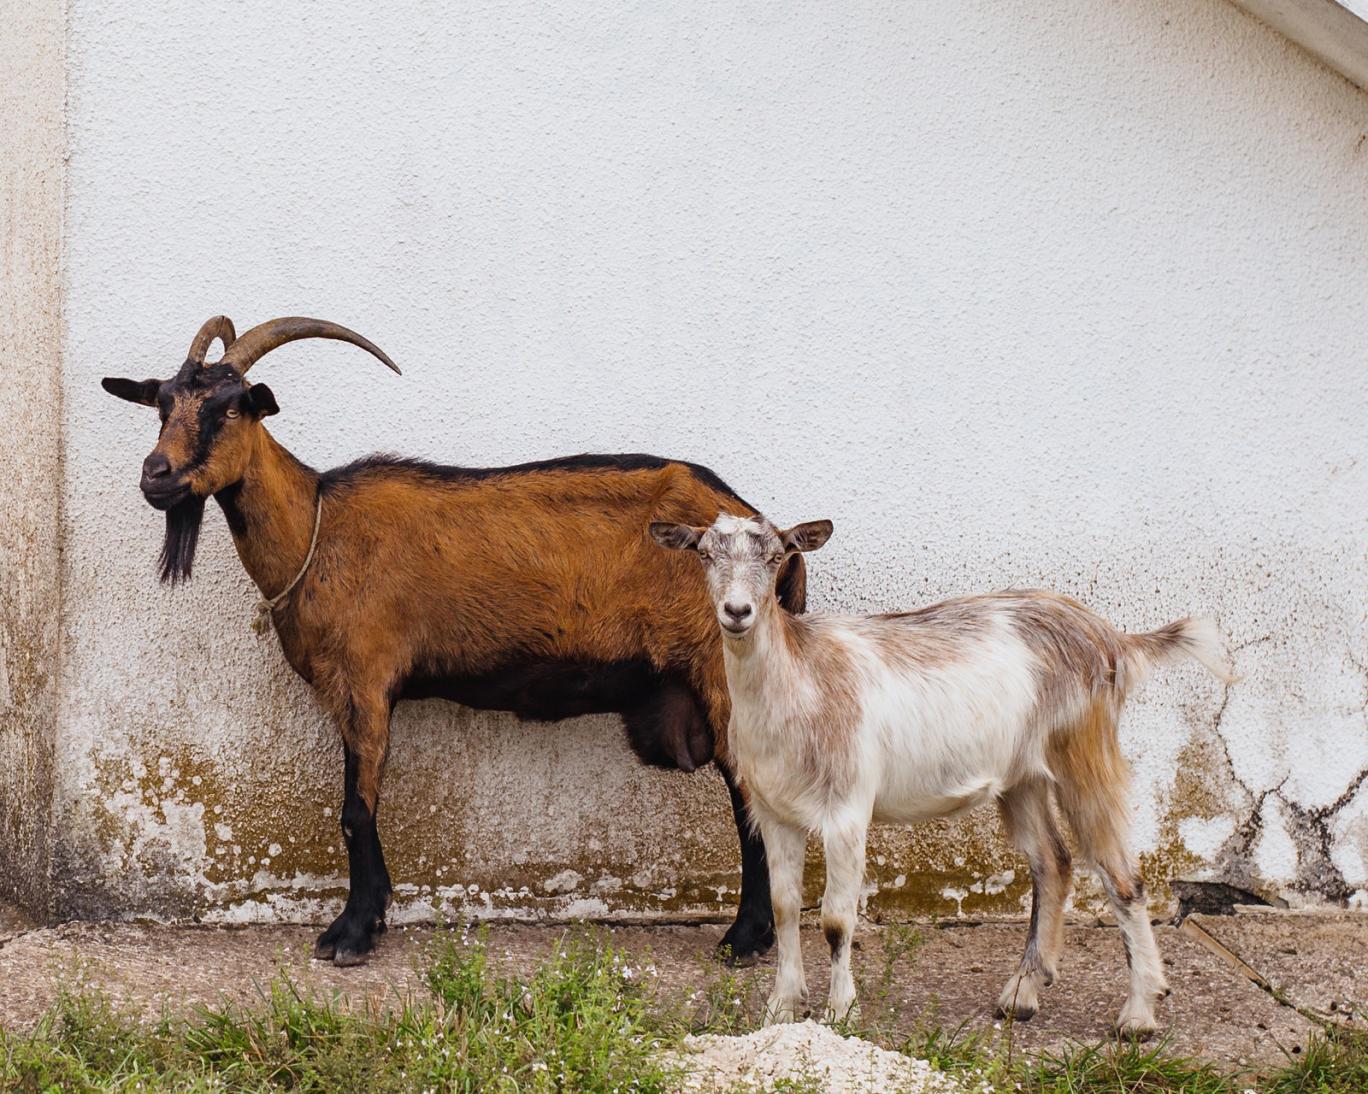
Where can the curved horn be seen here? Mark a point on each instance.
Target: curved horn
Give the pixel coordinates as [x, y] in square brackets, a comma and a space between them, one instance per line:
[220, 327]
[264, 337]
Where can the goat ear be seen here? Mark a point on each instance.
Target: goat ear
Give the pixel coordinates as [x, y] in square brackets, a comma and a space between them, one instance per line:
[677, 537]
[806, 537]
[135, 391]
[260, 400]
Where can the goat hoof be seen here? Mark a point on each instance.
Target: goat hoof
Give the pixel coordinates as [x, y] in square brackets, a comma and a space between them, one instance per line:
[1135, 1029]
[349, 941]
[355, 951]
[326, 944]
[745, 943]
[346, 959]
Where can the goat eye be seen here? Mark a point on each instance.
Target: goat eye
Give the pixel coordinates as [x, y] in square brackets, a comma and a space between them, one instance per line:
[705, 556]
[231, 413]
[776, 559]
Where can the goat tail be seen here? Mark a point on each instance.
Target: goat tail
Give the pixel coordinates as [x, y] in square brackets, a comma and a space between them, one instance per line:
[1195, 638]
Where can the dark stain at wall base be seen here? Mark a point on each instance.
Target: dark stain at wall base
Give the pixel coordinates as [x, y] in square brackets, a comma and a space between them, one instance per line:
[1212, 897]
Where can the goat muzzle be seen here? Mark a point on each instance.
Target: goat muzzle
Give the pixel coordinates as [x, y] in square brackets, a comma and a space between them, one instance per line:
[160, 485]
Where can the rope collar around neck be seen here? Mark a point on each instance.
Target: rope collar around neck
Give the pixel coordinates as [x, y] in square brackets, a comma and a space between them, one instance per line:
[266, 607]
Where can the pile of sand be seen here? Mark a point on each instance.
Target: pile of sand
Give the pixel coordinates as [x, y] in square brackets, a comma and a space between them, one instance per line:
[804, 1051]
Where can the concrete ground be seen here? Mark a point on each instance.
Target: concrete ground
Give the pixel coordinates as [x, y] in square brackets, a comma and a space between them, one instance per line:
[951, 977]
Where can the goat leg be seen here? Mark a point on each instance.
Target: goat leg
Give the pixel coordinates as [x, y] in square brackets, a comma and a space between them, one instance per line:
[752, 934]
[353, 935]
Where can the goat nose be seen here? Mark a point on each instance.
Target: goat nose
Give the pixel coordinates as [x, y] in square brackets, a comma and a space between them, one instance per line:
[737, 612]
[156, 465]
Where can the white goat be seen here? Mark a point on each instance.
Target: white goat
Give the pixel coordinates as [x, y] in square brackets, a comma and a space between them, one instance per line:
[841, 720]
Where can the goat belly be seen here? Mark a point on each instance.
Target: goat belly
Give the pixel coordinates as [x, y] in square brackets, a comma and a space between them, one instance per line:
[915, 807]
[665, 721]
[542, 690]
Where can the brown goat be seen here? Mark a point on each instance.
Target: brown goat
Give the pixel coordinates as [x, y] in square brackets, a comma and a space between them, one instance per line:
[533, 589]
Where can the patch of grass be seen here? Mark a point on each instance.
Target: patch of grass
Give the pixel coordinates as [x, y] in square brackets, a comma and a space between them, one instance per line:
[730, 1002]
[579, 1023]
[1121, 1068]
[879, 1010]
[82, 1043]
[1332, 1063]
[960, 1051]
[581, 1019]
[1335, 1062]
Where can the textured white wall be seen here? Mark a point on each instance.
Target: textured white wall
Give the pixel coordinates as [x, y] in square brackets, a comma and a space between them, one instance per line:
[1335, 31]
[32, 77]
[1067, 293]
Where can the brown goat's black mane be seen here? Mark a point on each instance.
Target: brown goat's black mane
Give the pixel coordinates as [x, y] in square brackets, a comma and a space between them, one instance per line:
[381, 463]
[182, 534]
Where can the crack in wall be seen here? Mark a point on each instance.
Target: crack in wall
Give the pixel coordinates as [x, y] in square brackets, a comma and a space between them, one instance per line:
[1307, 826]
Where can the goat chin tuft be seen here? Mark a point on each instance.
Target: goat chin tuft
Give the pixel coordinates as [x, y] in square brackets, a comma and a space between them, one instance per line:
[182, 534]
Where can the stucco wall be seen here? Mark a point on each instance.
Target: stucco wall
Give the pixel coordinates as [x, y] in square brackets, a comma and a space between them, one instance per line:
[32, 89]
[1063, 294]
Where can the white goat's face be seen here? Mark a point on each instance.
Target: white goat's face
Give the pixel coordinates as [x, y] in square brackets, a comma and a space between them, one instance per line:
[741, 557]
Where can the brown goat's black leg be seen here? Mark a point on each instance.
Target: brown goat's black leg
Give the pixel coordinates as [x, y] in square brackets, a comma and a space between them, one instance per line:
[353, 934]
[753, 932]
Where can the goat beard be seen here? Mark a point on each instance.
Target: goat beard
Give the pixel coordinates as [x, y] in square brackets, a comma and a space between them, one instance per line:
[182, 534]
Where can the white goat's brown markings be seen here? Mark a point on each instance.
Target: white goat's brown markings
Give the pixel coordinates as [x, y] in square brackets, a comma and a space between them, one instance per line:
[834, 713]
[1013, 697]
[930, 637]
